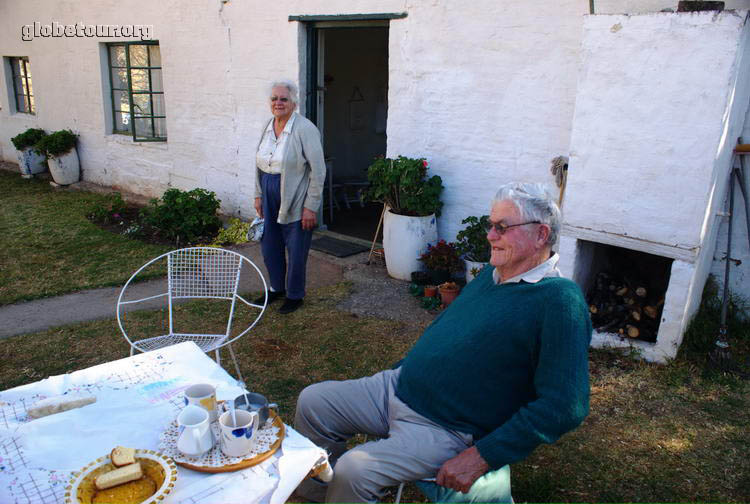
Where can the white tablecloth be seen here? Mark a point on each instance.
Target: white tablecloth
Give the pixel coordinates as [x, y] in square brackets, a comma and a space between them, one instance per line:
[137, 398]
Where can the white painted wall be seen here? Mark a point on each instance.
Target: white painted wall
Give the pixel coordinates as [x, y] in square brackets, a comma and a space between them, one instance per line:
[485, 92]
[643, 6]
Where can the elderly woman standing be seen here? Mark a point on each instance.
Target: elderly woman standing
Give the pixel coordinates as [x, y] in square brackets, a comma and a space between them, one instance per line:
[290, 173]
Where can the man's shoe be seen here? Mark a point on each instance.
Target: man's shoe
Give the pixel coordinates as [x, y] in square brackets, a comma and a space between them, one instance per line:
[272, 296]
[290, 305]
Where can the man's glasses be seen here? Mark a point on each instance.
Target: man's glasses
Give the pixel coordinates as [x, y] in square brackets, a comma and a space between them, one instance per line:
[283, 99]
[501, 229]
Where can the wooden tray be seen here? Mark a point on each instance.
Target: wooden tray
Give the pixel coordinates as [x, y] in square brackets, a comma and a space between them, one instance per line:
[247, 462]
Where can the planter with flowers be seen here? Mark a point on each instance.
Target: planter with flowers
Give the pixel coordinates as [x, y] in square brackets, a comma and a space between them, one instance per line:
[60, 149]
[441, 261]
[30, 161]
[472, 244]
[448, 292]
[413, 205]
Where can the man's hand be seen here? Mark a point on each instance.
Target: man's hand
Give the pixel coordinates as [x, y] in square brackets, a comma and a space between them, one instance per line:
[259, 207]
[460, 472]
[309, 219]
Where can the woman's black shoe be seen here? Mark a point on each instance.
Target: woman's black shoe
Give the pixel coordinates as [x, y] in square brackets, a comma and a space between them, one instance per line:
[272, 296]
[290, 305]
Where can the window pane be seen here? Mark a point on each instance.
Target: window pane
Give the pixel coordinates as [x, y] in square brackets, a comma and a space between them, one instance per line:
[161, 127]
[31, 89]
[139, 80]
[33, 107]
[142, 104]
[156, 84]
[122, 121]
[23, 103]
[138, 55]
[117, 55]
[23, 67]
[143, 128]
[155, 55]
[158, 101]
[18, 84]
[119, 78]
[121, 102]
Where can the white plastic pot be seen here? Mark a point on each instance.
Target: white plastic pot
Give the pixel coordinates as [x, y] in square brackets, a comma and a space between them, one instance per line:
[470, 265]
[404, 240]
[65, 169]
[31, 163]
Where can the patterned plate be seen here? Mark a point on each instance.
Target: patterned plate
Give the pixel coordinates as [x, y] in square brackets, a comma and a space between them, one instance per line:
[158, 468]
[214, 461]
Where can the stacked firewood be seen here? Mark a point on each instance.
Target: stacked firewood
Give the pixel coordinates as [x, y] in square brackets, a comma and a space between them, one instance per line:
[618, 305]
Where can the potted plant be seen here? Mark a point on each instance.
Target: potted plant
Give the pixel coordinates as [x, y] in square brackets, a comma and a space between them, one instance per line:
[413, 205]
[60, 149]
[472, 244]
[441, 261]
[30, 161]
[448, 292]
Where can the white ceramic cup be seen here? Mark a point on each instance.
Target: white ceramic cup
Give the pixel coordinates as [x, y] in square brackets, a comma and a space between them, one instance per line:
[237, 440]
[195, 437]
[203, 395]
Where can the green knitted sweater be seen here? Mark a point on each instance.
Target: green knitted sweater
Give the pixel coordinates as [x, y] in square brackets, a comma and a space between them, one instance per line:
[506, 363]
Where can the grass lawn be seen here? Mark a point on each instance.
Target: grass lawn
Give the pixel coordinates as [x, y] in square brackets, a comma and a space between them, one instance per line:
[50, 248]
[656, 433]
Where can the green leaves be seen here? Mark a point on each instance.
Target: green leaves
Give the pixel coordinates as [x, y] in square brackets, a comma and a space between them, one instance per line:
[56, 144]
[28, 138]
[471, 241]
[184, 217]
[400, 183]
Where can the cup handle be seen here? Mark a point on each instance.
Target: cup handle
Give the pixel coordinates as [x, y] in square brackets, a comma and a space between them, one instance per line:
[256, 424]
[197, 439]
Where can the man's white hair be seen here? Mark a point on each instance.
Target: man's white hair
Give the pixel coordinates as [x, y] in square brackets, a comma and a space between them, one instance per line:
[291, 86]
[534, 203]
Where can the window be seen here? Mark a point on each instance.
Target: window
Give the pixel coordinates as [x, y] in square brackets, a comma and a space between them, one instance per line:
[137, 91]
[21, 73]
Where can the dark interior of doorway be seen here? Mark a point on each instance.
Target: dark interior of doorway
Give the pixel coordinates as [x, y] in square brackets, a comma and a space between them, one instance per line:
[355, 63]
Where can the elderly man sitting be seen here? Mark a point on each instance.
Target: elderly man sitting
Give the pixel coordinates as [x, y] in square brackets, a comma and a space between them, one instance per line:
[502, 370]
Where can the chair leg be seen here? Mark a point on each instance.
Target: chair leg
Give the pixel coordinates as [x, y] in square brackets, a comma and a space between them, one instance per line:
[218, 357]
[398, 494]
[236, 366]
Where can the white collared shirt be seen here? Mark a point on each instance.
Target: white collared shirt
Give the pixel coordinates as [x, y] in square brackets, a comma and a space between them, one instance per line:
[271, 149]
[547, 269]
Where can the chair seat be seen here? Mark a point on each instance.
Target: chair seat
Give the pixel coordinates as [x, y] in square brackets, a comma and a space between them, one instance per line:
[492, 487]
[206, 342]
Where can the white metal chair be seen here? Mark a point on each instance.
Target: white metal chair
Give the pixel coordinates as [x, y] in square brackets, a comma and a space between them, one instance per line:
[196, 273]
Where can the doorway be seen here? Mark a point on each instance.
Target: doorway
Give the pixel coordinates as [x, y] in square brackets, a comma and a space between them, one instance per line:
[349, 67]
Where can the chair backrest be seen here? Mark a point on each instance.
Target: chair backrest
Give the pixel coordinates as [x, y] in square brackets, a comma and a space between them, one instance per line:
[203, 272]
[196, 273]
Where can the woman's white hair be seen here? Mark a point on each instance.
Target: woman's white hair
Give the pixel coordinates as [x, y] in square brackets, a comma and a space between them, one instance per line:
[291, 86]
[534, 203]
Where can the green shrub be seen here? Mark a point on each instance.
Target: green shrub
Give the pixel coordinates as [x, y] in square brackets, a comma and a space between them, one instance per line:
[401, 184]
[442, 256]
[28, 138]
[56, 144]
[109, 210]
[235, 233]
[471, 242]
[185, 217]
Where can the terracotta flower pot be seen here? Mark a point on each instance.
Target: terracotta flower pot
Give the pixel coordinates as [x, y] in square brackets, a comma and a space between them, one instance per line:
[430, 291]
[448, 292]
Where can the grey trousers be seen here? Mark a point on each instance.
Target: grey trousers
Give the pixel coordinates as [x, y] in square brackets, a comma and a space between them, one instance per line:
[410, 447]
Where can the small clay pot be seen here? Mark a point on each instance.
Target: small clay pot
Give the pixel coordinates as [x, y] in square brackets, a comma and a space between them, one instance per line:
[430, 291]
[448, 292]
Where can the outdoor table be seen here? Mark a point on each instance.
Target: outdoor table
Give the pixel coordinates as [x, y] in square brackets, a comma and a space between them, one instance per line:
[137, 398]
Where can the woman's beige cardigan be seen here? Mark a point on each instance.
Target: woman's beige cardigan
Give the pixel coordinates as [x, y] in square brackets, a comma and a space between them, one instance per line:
[303, 171]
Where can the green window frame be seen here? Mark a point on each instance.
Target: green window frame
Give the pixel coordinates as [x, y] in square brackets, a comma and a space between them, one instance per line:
[22, 88]
[137, 90]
